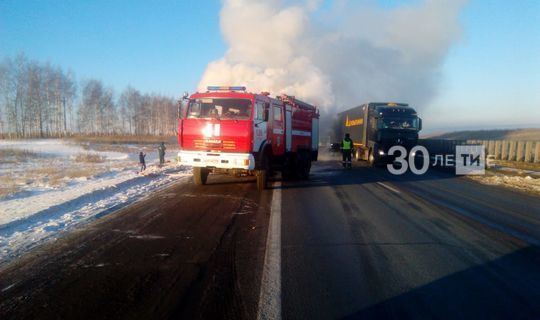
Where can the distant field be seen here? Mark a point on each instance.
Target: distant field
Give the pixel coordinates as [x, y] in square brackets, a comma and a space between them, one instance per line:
[125, 139]
[503, 134]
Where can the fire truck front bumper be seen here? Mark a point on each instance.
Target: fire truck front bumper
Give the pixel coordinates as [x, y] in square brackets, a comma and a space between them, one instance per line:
[221, 160]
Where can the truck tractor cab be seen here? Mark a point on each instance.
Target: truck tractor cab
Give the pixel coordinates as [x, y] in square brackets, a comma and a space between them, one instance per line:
[377, 126]
[391, 124]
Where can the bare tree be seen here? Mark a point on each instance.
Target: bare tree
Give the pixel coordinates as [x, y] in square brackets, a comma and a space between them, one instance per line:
[42, 100]
[97, 110]
[131, 104]
[69, 94]
[4, 98]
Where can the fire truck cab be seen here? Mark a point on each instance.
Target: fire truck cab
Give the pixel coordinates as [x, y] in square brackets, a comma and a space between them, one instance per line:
[229, 130]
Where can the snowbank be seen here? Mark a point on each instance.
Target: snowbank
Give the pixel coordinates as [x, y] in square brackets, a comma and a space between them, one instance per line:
[56, 148]
[526, 183]
[39, 209]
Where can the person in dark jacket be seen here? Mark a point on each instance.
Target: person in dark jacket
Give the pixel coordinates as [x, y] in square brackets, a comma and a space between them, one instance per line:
[161, 151]
[141, 161]
[347, 147]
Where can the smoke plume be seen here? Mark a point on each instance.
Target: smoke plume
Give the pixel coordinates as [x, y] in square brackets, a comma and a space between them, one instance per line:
[336, 56]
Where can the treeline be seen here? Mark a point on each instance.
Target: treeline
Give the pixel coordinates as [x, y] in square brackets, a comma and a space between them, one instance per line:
[41, 100]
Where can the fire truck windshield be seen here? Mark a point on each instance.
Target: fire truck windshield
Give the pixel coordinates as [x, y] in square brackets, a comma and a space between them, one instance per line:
[238, 109]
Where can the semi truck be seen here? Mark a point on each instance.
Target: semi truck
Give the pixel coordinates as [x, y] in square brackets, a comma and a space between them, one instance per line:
[229, 130]
[375, 127]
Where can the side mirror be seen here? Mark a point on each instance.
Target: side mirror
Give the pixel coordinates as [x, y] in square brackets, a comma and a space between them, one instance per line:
[266, 114]
[419, 124]
[180, 109]
[185, 95]
[179, 104]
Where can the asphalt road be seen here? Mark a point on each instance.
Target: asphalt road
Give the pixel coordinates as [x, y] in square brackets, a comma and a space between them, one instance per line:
[364, 244]
[185, 252]
[358, 244]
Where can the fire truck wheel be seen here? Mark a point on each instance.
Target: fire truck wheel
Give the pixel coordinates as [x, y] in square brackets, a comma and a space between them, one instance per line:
[287, 173]
[200, 175]
[289, 169]
[262, 179]
[262, 174]
[304, 166]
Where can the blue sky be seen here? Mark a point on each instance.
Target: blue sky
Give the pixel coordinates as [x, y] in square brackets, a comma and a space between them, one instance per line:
[155, 46]
[491, 77]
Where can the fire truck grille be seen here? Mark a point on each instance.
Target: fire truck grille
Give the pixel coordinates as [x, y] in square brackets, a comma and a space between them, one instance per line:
[215, 145]
[229, 145]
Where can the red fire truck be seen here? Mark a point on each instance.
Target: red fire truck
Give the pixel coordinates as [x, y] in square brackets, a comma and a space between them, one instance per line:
[229, 130]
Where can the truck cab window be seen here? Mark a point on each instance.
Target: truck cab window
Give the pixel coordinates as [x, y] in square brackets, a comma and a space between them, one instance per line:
[237, 109]
[398, 123]
[194, 109]
[277, 114]
[259, 112]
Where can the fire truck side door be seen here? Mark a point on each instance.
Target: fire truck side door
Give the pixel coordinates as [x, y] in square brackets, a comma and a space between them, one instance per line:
[278, 132]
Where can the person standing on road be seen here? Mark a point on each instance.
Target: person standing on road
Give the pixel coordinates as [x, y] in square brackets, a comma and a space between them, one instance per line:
[141, 161]
[346, 150]
[161, 151]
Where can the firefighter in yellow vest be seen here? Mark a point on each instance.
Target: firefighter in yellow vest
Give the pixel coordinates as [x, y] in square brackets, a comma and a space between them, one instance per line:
[347, 149]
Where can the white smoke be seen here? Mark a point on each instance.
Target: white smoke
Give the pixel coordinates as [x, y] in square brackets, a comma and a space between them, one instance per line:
[336, 57]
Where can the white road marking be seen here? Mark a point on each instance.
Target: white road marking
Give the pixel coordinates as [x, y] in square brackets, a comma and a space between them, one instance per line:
[270, 295]
[388, 187]
[9, 287]
[147, 237]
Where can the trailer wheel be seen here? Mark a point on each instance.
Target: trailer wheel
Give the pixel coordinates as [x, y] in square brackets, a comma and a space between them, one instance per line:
[372, 160]
[357, 154]
[200, 175]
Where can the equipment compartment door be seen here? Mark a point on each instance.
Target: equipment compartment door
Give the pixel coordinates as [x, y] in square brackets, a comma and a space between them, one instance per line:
[278, 132]
[288, 128]
[315, 134]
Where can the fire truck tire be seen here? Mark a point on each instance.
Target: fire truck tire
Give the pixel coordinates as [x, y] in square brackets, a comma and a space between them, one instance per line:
[289, 169]
[262, 174]
[304, 165]
[262, 180]
[200, 175]
[288, 173]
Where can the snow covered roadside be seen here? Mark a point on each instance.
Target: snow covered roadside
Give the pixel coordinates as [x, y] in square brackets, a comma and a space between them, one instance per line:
[526, 183]
[39, 211]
